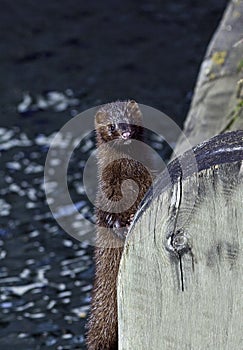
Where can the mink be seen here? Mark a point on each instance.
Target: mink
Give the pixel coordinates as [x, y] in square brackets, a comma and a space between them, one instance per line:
[117, 125]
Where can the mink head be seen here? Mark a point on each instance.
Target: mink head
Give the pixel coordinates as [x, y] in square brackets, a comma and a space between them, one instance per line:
[119, 121]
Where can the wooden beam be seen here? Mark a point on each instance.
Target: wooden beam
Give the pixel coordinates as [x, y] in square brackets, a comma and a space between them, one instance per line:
[217, 105]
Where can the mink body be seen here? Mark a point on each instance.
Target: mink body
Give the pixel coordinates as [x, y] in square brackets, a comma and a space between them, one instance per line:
[117, 125]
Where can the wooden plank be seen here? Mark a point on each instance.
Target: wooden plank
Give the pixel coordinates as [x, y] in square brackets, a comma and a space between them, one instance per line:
[180, 279]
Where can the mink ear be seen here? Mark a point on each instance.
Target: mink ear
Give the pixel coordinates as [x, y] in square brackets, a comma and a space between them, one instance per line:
[101, 117]
[134, 110]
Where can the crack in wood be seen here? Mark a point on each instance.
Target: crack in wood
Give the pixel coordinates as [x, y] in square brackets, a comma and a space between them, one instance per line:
[176, 241]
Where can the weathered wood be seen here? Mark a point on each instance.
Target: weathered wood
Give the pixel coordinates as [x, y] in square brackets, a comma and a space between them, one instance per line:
[217, 105]
[180, 279]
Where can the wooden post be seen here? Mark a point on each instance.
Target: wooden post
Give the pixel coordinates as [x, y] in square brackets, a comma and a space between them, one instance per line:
[181, 273]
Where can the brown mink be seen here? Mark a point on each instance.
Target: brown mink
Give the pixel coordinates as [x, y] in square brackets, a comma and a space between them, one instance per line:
[117, 125]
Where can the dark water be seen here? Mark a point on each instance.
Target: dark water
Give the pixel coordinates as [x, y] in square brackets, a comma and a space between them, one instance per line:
[85, 54]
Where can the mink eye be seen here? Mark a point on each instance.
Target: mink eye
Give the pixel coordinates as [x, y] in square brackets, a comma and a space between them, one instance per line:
[111, 127]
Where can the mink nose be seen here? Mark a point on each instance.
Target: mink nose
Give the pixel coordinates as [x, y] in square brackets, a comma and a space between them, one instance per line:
[126, 135]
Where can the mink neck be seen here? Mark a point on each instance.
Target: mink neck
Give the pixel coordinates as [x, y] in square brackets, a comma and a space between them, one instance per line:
[109, 152]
